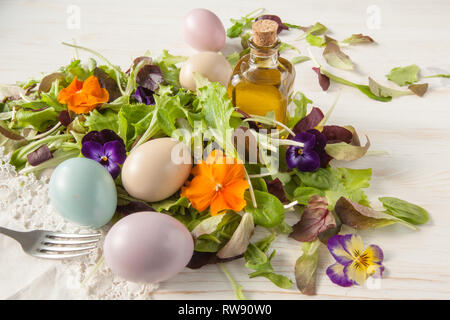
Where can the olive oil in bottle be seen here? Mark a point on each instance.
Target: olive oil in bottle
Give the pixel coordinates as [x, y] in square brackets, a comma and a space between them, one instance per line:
[261, 80]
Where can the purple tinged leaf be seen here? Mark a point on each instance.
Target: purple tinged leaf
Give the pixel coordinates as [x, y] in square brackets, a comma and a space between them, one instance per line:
[200, 259]
[275, 187]
[324, 81]
[358, 216]
[108, 83]
[10, 133]
[65, 118]
[143, 95]
[281, 25]
[136, 61]
[40, 155]
[310, 121]
[336, 134]
[149, 77]
[47, 81]
[315, 219]
[132, 207]
[419, 89]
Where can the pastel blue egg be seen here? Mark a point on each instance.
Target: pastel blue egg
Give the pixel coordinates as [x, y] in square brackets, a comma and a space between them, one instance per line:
[83, 191]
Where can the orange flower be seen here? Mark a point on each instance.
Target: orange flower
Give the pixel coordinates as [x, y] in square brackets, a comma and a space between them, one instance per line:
[83, 97]
[219, 183]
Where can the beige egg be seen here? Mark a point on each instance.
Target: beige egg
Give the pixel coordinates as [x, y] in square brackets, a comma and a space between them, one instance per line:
[211, 65]
[156, 169]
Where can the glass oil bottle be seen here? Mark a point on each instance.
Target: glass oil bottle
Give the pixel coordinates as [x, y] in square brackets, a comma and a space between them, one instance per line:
[261, 80]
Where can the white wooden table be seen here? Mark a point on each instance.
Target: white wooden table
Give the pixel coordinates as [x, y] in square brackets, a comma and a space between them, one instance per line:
[414, 131]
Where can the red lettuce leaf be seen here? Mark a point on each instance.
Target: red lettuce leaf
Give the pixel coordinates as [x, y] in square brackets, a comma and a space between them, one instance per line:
[336, 134]
[310, 121]
[275, 187]
[324, 81]
[315, 219]
[200, 259]
[40, 155]
[65, 118]
[132, 207]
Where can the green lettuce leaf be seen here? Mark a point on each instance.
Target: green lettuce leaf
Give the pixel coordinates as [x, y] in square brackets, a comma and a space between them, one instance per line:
[404, 75]
[39, 120]
[306, 268]
[301, 106]
[99, 121]
[363, 88]
[257, 259]
[270, 211]
[316, 41]
[357, 39]
[385, 92]
[299, 59]
[336, 58]
[405, 210]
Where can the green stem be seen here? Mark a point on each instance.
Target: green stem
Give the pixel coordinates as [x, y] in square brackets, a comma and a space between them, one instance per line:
[237, 288]
[438, 76]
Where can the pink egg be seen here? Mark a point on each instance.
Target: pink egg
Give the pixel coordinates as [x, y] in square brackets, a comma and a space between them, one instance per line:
[203, 30]
[148, 247]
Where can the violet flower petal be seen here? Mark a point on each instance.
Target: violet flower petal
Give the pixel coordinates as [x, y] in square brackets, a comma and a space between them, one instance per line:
[113, 168]
[309, 162]
[107, 135]
[115, 151]
[308, 139]
[321, 139]
[92, 150]
[338, 276]
[337, 245]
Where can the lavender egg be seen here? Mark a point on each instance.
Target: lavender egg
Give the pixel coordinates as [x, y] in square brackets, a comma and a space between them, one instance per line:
[148, 247]
[203, 30]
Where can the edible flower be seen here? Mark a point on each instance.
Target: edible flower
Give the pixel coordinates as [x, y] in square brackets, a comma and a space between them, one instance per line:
[105, 147]
[83, 97]
[218, 183]
[144, 95]
[353, 264]
[311, 155]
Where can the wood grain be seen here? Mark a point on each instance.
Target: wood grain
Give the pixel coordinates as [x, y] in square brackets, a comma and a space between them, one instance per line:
[415, 132]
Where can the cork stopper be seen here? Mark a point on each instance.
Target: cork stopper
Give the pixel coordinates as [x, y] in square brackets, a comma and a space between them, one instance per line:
[265, 32]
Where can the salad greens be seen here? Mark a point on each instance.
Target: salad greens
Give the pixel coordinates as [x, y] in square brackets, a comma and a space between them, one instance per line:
[147, 102]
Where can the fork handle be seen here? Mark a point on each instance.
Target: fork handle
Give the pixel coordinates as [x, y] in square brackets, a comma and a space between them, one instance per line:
[10, 233]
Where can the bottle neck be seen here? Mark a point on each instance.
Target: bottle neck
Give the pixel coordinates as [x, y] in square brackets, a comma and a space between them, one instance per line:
[265, 57]
[265, 61]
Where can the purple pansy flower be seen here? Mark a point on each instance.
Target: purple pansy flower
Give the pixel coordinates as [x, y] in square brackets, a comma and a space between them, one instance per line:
[309, 157]
[353, 263]
[144, 95]
[105, 147]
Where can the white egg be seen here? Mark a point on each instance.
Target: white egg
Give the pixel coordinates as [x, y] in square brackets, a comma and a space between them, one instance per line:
[211, 65]
[156, 169]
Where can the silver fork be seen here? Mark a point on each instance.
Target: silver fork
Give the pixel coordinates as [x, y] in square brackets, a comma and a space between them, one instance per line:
[54, 245]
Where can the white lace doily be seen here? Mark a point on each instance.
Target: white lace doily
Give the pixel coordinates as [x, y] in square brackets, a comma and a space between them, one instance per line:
[25, 205]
